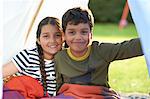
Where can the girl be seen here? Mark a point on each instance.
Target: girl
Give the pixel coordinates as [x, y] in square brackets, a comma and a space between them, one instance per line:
[38, 62]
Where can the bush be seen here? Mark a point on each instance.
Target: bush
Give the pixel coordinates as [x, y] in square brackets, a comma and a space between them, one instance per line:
[107, 10]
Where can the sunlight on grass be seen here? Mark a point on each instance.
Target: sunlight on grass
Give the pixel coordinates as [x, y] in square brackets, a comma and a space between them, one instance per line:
[112, 30]
[130, 75]
[110, 39]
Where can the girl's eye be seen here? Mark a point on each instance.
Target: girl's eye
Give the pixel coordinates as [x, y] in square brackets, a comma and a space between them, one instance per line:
[45, 36]
[71, 33]
[58, 34]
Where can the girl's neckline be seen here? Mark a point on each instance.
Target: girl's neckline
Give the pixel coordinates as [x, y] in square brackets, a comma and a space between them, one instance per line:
[47, 60]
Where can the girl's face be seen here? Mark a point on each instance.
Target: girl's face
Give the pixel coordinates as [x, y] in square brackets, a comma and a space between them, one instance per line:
[78, 37]
[50, 40]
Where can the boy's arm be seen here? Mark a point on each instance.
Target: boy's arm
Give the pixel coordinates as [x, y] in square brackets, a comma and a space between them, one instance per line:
[58, 81]
[59, 78]
[129, 49]
[9, 69]
[119, 51]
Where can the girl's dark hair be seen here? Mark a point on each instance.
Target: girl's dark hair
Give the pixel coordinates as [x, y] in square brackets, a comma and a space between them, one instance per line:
[45, 21]
[77, 15]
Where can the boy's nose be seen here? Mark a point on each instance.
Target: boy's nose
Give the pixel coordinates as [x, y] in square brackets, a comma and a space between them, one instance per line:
[78, 36]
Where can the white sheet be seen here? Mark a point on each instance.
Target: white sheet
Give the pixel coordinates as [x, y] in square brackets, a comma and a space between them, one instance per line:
[140, 10]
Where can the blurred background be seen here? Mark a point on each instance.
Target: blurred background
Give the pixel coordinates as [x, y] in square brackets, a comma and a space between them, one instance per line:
[113, 23]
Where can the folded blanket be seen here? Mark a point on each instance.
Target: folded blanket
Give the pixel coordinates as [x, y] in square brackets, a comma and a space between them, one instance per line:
[27, 86]
[8, 94]
[60, 96]
[87, 92]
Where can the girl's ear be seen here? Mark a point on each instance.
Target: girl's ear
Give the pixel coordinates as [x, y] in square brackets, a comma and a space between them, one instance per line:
[63, 39]
[38, 41]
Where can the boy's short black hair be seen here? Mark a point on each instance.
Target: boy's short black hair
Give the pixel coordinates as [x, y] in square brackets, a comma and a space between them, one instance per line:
[77, 15]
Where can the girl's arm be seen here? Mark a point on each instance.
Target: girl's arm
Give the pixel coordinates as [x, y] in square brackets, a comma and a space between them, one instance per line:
[9, 69]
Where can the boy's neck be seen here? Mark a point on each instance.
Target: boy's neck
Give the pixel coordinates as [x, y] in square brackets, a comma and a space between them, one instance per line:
[79, 55]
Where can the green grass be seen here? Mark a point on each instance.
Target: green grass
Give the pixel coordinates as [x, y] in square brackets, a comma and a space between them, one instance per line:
[112, 30]
[130, 75]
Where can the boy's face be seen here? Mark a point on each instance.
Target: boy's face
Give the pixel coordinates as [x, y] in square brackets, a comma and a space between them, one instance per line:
[78, 37]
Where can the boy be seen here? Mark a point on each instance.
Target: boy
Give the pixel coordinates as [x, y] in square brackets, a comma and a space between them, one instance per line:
[84, 64]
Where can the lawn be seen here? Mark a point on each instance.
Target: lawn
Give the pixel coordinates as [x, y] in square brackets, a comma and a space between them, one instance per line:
[125, 76]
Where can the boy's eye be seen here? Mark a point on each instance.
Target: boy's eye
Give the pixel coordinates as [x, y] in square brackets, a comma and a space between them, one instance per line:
[84, 32]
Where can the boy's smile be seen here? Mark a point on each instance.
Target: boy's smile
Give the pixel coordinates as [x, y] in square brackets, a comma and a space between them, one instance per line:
[78, 37]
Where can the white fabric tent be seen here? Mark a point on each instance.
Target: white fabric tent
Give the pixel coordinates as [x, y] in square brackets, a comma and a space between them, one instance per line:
[140, 10]
[20, 20]
[1, 30]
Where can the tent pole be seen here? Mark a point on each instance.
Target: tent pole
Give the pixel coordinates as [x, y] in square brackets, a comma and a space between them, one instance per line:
[33, 20]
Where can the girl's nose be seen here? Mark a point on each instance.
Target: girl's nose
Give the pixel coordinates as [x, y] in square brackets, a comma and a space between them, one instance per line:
[52, 39]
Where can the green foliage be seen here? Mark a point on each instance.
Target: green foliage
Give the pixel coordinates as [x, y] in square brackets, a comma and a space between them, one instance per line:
[107, 10]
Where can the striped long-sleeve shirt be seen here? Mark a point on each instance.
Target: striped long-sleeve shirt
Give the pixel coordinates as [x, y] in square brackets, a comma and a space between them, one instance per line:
[27, 62]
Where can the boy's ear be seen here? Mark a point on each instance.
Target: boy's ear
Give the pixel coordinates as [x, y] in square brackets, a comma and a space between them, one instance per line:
[38, 41]
[91, 35]
[63, 37]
